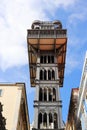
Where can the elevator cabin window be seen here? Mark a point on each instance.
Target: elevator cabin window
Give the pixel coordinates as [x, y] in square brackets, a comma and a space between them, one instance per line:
[50, 118]
[41, 59]
[49, 75]
[40, 94]
[50, 95]
[45, 94]
[46, 59]
[41, 74]
[45, 120]
[55, 121]
[54, 94]
[53, 75]
[39, 120]
[52, 59]
[45, 75]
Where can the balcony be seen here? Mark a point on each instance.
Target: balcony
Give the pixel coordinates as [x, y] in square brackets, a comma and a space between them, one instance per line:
[48, 103]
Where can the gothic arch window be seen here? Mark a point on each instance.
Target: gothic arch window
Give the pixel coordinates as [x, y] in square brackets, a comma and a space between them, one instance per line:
[49, 75]
[50, 94]
[50, 118]
[40, 94]
[45, 120]
[45, 75]
[53, 75]
[41, 74]
[39, 120]
[55, 121]
[54, 94]
[45, 94]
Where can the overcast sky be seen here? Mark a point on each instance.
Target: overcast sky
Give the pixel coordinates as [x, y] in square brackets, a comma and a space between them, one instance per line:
[16, 16]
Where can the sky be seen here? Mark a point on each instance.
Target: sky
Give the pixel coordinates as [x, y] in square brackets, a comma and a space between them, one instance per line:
[16, 16]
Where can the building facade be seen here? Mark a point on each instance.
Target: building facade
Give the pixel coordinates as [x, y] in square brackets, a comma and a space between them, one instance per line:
[47, 51]
[15, 110]
[73, 123]
[82, 102]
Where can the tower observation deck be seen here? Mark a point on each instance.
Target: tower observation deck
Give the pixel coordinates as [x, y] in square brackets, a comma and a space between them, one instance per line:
[47, 43]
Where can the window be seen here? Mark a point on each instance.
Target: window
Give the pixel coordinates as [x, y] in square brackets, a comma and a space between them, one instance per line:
[45, 59]
[50, 118]
[50, 94]
[45, 94]
[0, 92]
[53, 75]
[52, 59]
[54, 94]
[40, 94]
[49, 75]
[48, 59]
[45, 120]
[41, 59]
[39, 120]
[45, 75]
[41, 74]
[55, 121]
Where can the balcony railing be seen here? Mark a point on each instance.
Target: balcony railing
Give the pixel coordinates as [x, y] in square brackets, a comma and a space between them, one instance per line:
[47, 33]
[48, 103]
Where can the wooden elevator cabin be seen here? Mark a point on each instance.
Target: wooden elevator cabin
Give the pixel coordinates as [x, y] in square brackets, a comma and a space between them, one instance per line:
[47, 43]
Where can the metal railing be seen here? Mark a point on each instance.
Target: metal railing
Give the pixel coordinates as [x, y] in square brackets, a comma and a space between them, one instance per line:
[46, 34]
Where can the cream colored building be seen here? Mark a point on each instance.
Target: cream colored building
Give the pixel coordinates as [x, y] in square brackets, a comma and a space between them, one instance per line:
[15, 109]
[82, 102]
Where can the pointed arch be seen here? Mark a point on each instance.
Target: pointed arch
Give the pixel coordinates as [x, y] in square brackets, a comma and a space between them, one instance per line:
[45, 74]
[41, 74]
[50, 118]
[49, 75]
[53, 75]
[45, 120]
[50, 94]
[40, 94]
[55, 121]
[54, 94]
[39, 120]
[45, 94]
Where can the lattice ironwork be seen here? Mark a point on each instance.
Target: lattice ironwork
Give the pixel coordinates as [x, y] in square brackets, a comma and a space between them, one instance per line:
[51, 40]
